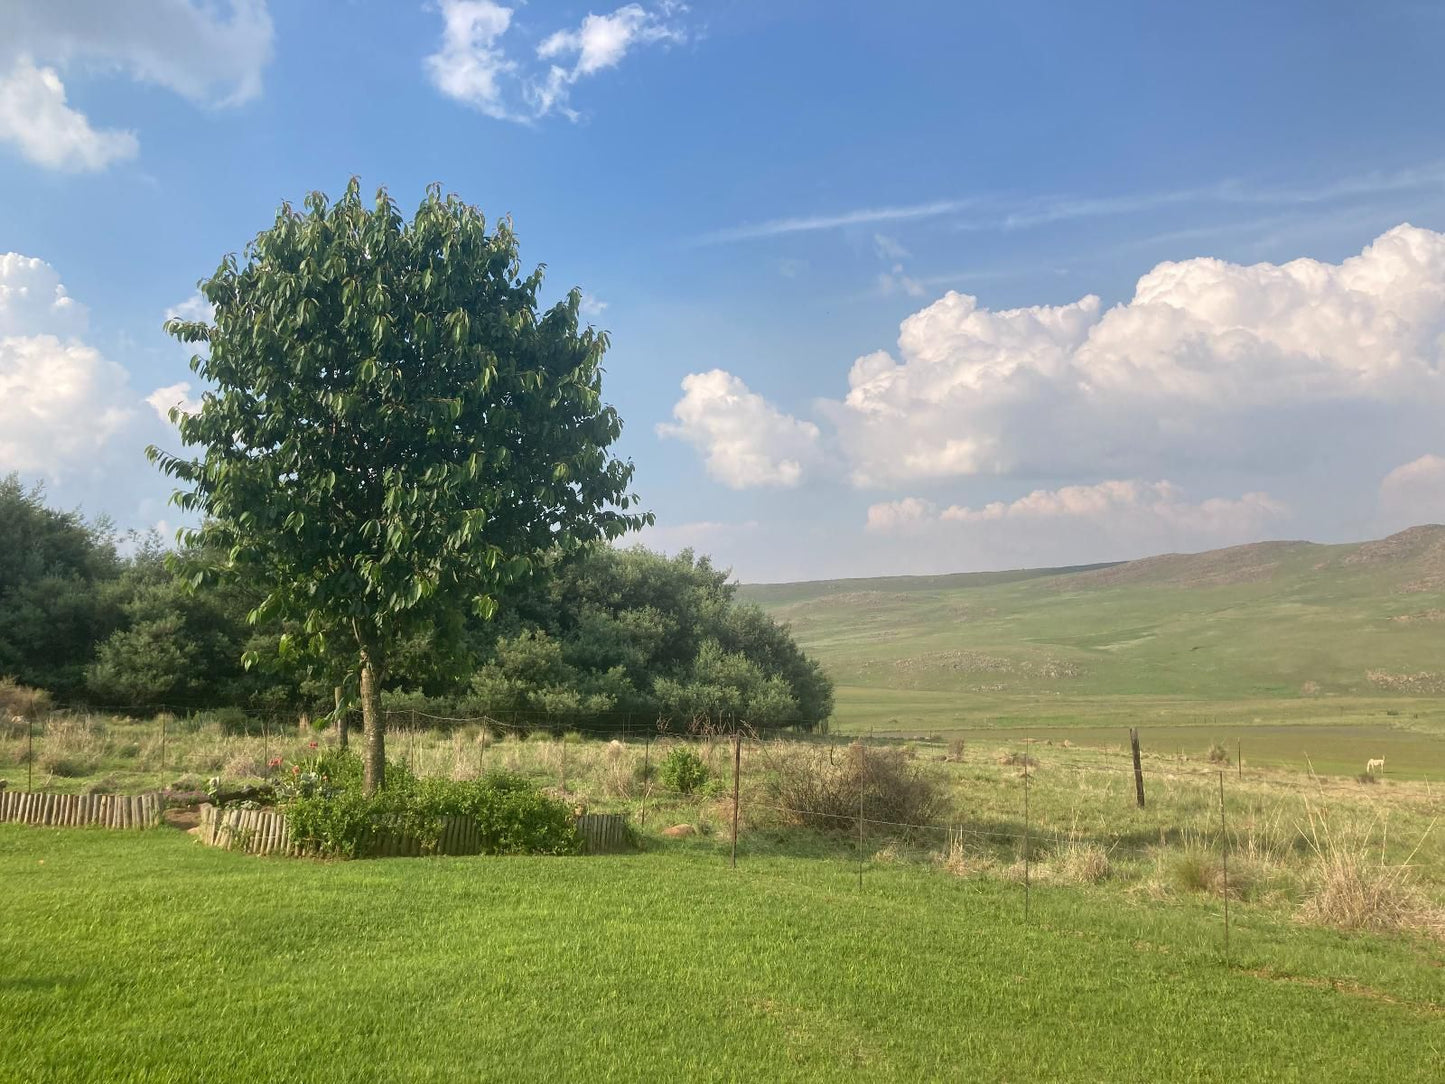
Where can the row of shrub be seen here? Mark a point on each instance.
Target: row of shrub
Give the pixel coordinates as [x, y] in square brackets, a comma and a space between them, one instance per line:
[331, 816]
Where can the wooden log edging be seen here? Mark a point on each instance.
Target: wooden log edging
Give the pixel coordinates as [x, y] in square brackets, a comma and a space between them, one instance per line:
[604, 833]
[81, 810]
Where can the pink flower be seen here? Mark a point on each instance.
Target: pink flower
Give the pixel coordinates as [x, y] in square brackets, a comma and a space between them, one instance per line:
[313, 745]
[274, 762]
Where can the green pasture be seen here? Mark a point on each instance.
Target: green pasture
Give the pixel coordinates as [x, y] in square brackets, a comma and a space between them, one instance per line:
[1334, 738]
[147, 957]
[1246, 644]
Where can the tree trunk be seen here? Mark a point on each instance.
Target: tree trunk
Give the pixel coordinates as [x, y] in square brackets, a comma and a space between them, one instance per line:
[343, 719]
[373, 727]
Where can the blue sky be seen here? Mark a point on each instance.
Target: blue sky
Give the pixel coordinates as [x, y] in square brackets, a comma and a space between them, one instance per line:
[755, 196]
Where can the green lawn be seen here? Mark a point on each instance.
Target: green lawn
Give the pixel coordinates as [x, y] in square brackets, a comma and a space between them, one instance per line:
[148, 957]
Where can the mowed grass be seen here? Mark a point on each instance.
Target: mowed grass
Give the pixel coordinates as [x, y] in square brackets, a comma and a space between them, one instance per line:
[147, 957]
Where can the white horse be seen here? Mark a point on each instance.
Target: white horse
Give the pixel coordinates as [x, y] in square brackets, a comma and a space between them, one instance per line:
[1375, 764]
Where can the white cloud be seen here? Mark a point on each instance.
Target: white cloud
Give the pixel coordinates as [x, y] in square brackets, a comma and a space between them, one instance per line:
[34, 300]
[36, 119]
[210, 53]
[900, 515]
[61, 401]
[744, 440]
[865, 216]
[179, 396]
[470, 66]
[195, 307]
[193, 49]
[591, 305]
[473, 65]
[888, 248]
[1187, 368]
[1413, 493]
[1106, 520]
[895, 280]
[60, 404]
[1003, 212]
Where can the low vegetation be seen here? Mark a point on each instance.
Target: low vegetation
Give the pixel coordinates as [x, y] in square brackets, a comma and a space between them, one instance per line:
[331, 816]
[1315, 849]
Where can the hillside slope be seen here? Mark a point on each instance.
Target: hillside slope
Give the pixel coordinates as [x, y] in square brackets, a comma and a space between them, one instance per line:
[1273, 619]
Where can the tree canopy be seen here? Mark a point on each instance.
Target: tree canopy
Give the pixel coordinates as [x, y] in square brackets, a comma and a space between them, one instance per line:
[392, 432]
[612, 633]
[53, 605]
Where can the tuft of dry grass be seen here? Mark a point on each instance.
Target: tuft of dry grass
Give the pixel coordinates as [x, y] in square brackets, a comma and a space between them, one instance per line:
[1352, 887]
[22, 702]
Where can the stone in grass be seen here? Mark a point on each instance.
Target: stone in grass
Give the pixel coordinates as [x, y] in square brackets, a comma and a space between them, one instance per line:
[678, 831]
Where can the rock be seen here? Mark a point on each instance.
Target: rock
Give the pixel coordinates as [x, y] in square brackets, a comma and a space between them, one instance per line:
[678, 831]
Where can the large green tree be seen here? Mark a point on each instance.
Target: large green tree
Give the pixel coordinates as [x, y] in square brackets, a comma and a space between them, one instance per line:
[393, 431]
[56, 570]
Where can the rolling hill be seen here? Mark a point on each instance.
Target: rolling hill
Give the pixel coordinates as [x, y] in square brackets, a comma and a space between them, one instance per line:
[1287, 623]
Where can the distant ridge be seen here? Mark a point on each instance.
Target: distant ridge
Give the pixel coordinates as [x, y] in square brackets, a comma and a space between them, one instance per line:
[1277, 619]
[1422, 546]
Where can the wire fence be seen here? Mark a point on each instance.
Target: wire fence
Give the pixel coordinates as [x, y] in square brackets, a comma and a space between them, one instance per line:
[163, 752]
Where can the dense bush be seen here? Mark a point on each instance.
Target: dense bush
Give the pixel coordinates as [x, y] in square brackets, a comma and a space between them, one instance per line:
[821, 786]
[683, 770]
[331, 816]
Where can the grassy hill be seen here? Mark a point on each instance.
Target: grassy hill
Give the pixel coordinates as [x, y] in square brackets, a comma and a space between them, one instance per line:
[1285, 629]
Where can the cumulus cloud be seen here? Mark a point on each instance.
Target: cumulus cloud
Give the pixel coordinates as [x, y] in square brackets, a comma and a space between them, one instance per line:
[61, 401]
[1208, 363]
[210, 55]
[473, 65]
[35, 118]
[34, 300]
[173, 397]
[1413, 493]
[1101, 521]
[744, 440]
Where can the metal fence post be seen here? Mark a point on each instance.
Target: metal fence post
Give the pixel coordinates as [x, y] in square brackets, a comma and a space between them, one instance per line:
[737, 771]
[1224, 851]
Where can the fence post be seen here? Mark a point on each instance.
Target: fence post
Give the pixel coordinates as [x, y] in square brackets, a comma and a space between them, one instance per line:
[1026, 833]
[862, 782]
[737, 768]
[1224, 850]
[646, 776]
[1138, 767]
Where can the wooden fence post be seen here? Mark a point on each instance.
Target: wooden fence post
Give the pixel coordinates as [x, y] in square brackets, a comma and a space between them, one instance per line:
[1138, 767]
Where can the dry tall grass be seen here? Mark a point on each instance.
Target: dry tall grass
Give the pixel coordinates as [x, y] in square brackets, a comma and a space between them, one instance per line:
[1352, 886]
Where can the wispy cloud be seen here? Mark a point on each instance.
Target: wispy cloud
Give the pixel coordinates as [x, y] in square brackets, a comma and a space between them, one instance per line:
[473, 64]
[999, 212]
[810, 223]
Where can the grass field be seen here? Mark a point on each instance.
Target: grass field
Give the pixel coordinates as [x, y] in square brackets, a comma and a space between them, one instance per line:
[1245, 644]
[148, 957]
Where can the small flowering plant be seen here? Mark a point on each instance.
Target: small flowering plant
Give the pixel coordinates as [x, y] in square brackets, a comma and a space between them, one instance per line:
[308, 778]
